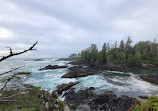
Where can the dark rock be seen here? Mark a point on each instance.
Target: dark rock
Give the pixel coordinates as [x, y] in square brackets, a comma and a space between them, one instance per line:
[59, 92]
[65, 87]
[106, 101]
[52, 67]
[144, 97]
[38, 60]
[75, 99]
[71, 91]
[150, 78]
[91, 88]
[69, 59]
[78, 71]
[55, 94]
[65, 94]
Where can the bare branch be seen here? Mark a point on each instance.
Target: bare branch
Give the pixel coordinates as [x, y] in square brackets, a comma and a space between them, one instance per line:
[14, 54]
[5, 84]
[10, 78]
[11, 70]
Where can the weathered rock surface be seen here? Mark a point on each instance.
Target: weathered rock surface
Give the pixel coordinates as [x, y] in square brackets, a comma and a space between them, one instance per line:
[65, 87]
[85, 100]
[101, 66]
[150, 78]
[50, 102]
[78, 71]
[50, 67]
[111, 66]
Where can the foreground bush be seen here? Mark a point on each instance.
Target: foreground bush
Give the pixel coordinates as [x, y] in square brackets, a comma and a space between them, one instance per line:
[151, 104]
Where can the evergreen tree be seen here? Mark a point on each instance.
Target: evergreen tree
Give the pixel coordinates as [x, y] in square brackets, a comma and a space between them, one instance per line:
[93, 53]
[115, 46]
[100, 57]
[143, 52]
[104, 50]
[121, 58]
[122, 45]
[128, 47]
[108, 47]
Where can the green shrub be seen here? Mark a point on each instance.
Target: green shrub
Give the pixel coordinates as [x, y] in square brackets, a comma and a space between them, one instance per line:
[151, 104]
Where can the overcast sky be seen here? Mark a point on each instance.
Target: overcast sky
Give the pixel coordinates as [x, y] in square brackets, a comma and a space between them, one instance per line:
[68, 26]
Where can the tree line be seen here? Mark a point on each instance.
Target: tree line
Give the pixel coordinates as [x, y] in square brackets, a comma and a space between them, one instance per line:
[141, 53]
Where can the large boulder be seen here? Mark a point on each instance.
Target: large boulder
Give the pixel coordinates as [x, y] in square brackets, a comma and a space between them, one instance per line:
[78, 71]
[50, 67]
[150, 78]
[107, 101]
[65, 87]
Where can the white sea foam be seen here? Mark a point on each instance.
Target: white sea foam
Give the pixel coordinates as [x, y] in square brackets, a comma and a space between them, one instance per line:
[49, 79]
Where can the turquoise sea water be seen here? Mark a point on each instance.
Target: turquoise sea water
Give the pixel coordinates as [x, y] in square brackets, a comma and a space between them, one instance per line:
[121, 83]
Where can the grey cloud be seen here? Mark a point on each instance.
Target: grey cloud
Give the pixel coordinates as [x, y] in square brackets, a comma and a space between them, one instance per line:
[62, 27]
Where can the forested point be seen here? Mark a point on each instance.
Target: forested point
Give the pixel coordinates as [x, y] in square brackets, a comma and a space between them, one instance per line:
[141, 53]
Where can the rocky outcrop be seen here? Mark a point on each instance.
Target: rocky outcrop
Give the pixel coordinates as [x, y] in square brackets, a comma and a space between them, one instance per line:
[50, 102]
[39, 60]
[69, 59]
[50, 67]
[102, 66]
[78, 71]
[65, 87]
[85, 100]
[150, 78]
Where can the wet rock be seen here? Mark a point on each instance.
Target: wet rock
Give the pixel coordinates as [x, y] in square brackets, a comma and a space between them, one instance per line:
[65, 87]
[106, 101]
[39, 60]
[74, 100]
[91, 88]
[70, 91]
[78, 71]
[102, 66]
[150, 78]
[49, 67]
[59, 92]
[55, 94]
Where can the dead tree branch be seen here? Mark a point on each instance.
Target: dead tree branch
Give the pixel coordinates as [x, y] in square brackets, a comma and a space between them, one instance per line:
[14, 54]
[5, 84]
[11, 70]
[9, 79]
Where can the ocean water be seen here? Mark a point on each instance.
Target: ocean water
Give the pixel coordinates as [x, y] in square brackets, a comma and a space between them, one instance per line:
[121, 83]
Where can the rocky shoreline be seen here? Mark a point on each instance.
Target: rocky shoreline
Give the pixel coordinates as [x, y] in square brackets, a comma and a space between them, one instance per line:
[111, 66]
[78, 71]
[87, 100]
[150, 78]
[50, 67]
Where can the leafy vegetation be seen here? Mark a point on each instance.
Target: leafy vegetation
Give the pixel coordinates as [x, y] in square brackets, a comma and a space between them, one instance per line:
[151, 104]
[142, 53]
[27, 101]
[24, 73]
